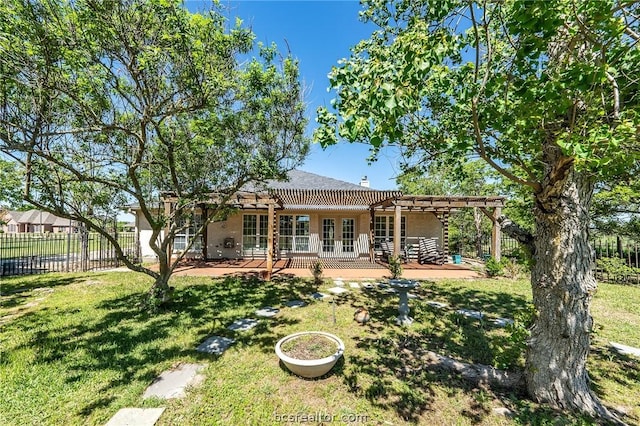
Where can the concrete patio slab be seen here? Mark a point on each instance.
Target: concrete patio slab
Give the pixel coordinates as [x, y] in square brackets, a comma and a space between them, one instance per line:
[470, 314]
[215, 345]
[244, 324]
[173, 383]
[338, 283]
[136, 417]
[624, 349]
[435, 304]
[295, 304]
[354, 284]
[320, 296]
[267, 312]
[337, 290]
[502, 322]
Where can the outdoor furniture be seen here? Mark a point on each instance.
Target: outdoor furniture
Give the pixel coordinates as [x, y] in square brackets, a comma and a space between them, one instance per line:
[428, 251]
[387, 251]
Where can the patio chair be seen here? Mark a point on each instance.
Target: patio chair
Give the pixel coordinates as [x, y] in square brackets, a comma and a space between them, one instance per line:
[428, 251]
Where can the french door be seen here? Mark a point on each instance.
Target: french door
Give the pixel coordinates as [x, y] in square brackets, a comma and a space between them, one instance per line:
[338, 241]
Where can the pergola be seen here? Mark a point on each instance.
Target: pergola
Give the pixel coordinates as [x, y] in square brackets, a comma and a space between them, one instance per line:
[442, 207]
[371, 200]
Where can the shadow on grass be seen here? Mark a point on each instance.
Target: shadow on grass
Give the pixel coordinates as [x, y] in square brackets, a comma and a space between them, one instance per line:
[389, 369]
[18, 291]
[118, 339]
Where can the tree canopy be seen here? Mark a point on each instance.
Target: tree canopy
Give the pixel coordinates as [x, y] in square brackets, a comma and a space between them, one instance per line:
[107, 104]
[546, 93]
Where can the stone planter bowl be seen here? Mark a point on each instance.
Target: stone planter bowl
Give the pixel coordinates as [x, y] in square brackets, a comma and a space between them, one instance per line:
[310, 368]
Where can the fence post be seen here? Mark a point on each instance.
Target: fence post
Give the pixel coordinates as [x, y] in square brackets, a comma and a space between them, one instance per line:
[84, 250]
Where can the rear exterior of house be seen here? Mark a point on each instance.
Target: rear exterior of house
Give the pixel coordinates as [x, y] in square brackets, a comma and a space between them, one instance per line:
[313, 216]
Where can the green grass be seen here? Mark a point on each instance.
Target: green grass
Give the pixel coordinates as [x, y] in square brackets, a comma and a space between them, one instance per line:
[75, 348]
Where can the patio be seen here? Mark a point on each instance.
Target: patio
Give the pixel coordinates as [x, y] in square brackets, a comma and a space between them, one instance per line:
[332, 268]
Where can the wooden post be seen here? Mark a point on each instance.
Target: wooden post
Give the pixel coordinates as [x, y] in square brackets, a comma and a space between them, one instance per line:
[445, 237]
[270, 243]
[372, 221]
[205, 238]
[397, 222]
[495, 234]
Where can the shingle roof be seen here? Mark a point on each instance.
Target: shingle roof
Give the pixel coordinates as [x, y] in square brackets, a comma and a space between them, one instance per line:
[38, 217]
[299, 179]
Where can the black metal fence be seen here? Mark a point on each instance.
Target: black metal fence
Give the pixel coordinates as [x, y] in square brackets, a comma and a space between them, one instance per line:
[617, 257]
[31, 253]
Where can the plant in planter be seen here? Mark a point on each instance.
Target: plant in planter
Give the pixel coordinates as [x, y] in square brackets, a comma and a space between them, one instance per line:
[310, 353]
[316, 271]
[395, 266]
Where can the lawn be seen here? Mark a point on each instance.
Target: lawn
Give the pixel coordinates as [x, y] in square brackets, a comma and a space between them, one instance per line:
[75, 348]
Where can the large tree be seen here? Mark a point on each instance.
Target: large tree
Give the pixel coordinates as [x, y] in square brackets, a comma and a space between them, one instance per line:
[108, 103]
[547, 94]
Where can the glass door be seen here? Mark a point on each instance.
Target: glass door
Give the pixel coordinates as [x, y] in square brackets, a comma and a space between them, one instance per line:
[328, 235]
[348, 235]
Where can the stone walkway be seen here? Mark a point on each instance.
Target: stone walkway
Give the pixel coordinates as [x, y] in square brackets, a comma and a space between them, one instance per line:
[173, 383]
[136, 417]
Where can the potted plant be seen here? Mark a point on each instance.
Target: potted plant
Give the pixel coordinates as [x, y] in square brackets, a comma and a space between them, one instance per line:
[310, 354]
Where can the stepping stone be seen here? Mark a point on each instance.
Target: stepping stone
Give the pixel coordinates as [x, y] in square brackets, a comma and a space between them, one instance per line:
[136, 416]
[390, 290]
[338, 283]
[368, 286]
[243, 324]
[383, 285]
[470, 314]
[295, 304]
[319, 296]
[354, 285]
[502, 322]
[435, 304]
[267, 312]
[412, 296]
[625, 350]
[215, 345]
[337, 290]
[173, 383]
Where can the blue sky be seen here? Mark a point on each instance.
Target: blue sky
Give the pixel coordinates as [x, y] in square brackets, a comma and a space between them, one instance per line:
[318, 33]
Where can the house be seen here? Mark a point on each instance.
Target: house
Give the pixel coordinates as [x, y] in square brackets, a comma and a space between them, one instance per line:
[312, 216]
[34, 221]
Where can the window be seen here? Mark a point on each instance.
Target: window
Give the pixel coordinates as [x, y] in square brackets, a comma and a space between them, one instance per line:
[187, 228]
[255, 228]
[383, 230]
[13, 228]
[348, 235]
[294, 233]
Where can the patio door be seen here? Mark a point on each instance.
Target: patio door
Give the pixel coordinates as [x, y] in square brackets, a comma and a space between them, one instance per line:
[328, 235]
[339, 242]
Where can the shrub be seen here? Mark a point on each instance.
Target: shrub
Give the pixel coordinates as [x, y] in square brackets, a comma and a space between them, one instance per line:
[316, 271]
[493, 268]
[395, 266]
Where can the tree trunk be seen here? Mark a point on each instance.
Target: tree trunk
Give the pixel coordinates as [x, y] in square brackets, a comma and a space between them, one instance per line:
[563, 285]
[161, 293]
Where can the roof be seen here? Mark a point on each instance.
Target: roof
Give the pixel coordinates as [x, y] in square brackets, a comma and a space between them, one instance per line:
[299, 179]
[37, 217]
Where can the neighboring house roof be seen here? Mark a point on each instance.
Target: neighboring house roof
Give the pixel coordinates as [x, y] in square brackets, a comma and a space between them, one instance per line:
[36, 217]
